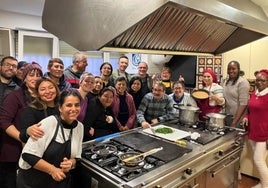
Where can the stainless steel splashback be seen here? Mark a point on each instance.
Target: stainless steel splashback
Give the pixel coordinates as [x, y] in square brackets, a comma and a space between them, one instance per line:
[169, 26]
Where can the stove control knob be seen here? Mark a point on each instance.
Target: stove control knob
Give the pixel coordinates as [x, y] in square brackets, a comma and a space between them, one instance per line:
[238, 143]
[157, 186]
[221, 153]
[189, 171]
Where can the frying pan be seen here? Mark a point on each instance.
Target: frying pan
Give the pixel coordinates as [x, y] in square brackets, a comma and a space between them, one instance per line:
[200, 94]
[133, 162]
[134, 158]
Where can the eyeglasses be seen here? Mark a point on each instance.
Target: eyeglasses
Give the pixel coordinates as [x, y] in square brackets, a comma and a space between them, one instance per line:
[158, 90]
[8, 65]
[177, 88]
[142, 67]
[259, 80]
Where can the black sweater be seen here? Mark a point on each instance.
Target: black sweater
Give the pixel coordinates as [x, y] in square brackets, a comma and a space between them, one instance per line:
[32, 116]
[96, 118]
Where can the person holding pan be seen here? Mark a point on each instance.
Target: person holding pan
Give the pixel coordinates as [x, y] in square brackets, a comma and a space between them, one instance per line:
[215, 102]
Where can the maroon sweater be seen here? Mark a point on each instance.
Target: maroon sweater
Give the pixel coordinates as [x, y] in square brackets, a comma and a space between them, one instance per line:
[10, 112]
[258, 118]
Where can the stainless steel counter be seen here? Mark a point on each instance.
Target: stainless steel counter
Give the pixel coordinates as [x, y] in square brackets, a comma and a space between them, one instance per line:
[199, 168]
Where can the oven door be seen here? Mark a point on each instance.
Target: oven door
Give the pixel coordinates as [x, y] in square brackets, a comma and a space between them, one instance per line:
[225, 173]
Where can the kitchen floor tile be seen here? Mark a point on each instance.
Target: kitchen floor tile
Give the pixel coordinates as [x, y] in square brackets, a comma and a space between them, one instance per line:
[247, 181]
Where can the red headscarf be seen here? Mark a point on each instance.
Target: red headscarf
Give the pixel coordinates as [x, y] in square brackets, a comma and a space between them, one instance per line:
[264, 72]
[213, 75]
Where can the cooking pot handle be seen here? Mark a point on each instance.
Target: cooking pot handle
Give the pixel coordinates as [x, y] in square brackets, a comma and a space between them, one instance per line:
[177, 106]
[224, 113]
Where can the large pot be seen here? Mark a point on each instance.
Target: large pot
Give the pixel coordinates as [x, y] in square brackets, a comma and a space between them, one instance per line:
[187, 114]
[217, 120]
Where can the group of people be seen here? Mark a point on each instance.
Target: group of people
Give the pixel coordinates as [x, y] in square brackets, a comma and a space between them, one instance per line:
[248, 110]
[54, 112]
[43, 114]
[37, 121]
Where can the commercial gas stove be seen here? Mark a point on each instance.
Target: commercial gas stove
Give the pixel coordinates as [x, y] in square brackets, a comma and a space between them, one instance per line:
[174, 166]
[106, 155]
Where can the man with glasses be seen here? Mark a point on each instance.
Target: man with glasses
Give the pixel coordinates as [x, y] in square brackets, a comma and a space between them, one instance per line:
[74, 72]
[155, 107]
[147, 81]
[8, 69]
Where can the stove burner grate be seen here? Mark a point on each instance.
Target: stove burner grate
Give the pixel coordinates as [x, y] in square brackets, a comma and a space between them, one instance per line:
[207, 134]
[113, 164]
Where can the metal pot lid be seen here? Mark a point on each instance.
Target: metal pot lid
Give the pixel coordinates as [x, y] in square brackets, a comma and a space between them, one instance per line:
[191, 108]
[216, 115]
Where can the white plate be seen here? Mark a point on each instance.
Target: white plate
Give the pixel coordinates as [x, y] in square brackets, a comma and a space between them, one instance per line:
[175, 135]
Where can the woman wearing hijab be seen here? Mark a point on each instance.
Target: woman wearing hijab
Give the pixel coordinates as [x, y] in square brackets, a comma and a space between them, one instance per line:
[215, 102]
[257, 121]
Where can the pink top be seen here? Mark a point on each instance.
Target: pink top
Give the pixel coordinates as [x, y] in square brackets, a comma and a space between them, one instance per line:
[131, 109]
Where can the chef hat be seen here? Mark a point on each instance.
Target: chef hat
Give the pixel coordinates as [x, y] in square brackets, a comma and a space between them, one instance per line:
[29, 67]
[213, 75]
[264, 72]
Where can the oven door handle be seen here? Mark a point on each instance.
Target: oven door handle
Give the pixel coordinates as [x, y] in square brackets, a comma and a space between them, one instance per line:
[215, 172]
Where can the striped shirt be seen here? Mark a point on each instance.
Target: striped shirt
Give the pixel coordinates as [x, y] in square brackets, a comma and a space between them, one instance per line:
[150, 108]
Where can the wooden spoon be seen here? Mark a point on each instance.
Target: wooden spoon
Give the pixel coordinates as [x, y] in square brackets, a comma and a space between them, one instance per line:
[142, 154]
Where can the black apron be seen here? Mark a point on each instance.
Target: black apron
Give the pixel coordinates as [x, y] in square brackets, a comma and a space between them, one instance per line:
[54, 154]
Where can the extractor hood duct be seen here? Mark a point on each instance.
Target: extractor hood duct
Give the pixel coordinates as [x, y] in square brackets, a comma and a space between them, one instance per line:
[169, 26]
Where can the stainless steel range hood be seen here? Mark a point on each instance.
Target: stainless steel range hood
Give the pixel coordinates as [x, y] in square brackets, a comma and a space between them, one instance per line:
[169, 26]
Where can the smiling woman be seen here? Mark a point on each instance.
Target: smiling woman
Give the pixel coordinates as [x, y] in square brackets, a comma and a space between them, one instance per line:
[99, 119]
[45, 104]
[39, 166]
[257, 127]
[236, 93]
[86, 85]
[123, 105]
